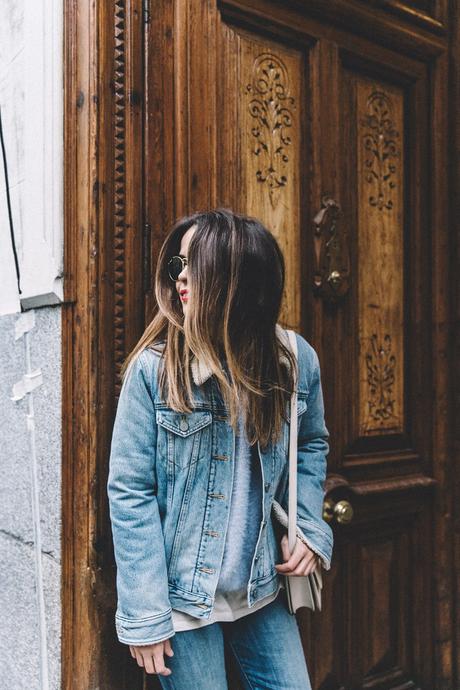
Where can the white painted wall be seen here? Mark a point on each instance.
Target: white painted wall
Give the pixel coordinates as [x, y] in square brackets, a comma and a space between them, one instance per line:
[31, 103]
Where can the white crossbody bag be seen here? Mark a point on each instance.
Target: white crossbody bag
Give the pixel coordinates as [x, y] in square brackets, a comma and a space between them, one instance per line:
[300, 590]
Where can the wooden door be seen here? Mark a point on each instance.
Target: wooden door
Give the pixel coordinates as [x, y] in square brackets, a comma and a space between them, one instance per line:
[328, 125]
[329, 120]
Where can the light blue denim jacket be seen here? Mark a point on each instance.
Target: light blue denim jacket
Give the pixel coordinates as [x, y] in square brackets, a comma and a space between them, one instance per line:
[169, 484]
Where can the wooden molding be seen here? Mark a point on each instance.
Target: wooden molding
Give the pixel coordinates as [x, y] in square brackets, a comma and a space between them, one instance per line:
[362, 18]
[407, 483]
[79, 654]
[432, 22]
[102, 254]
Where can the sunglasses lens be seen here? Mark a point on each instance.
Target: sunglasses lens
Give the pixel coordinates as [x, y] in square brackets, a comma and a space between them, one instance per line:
[175, 267]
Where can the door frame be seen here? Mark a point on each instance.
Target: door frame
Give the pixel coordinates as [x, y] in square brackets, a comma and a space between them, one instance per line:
[106, 239]
[102, 250]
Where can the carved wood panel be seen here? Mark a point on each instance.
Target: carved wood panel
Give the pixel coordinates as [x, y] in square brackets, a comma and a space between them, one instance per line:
[263, 101]
[380, 270]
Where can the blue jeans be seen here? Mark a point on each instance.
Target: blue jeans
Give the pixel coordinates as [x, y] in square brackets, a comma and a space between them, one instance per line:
[266, 645]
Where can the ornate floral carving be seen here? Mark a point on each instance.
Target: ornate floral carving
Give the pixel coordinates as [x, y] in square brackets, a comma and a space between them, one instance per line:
[270, 107]
[380, 364]
[119, 183]
[380, 142]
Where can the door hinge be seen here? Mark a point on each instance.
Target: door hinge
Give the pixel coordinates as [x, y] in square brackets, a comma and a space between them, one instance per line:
[146, 257]
[146, 10]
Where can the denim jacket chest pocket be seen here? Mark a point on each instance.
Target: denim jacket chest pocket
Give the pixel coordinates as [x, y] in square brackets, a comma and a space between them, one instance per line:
[184, 438]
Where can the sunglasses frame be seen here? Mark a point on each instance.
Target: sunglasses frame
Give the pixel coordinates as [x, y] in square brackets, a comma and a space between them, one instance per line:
[184, 262]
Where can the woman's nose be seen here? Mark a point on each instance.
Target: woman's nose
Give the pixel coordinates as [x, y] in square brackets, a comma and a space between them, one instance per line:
[182, 275]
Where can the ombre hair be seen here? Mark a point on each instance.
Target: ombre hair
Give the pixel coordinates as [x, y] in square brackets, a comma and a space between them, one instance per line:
[236, 274]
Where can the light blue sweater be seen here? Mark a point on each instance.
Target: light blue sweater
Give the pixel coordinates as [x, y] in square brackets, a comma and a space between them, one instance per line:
[245, 516]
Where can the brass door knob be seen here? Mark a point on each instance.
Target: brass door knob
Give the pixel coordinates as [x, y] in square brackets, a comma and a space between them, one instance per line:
[342, 511]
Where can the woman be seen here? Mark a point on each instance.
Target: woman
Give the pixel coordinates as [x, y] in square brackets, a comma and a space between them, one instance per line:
[199, 451]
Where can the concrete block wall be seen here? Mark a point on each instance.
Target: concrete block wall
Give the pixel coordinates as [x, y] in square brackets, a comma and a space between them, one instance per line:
[30, 579]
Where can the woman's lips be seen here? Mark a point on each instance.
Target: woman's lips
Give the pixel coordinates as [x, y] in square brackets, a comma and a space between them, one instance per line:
[184, 295]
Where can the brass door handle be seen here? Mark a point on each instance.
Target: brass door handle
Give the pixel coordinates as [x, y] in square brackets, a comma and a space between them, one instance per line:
[332, 263]
[342, 511]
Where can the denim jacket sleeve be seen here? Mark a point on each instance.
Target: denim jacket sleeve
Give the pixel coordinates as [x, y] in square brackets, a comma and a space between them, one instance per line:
[143, 614]
[312, 449]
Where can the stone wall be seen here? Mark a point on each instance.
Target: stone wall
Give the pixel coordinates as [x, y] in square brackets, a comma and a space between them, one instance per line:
[30, 504]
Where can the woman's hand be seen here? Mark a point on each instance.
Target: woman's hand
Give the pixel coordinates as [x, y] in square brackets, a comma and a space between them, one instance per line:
[151, 656]
[302, 561]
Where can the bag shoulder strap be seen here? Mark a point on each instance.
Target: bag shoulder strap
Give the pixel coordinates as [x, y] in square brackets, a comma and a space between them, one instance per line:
[292, 495]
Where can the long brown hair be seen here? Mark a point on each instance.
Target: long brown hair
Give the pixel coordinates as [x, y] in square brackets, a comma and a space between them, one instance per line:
[236, 277]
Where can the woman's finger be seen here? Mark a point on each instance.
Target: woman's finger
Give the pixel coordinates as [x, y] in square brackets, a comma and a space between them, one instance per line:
[139, 658]
[293, 561]
[311, 567]
[159, 662]
[304, 566]
[285, 547]
[168, 648]
[150, 657]
[149, 665]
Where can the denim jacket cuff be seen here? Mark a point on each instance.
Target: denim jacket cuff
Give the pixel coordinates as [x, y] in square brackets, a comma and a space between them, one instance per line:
[144, 631]
[309, 533]
[317, 540]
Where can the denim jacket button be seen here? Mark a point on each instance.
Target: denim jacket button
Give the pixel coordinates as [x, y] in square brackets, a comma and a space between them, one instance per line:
[183, 424]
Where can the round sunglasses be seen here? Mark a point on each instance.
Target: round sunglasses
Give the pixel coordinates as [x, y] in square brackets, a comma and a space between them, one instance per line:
[176, 265]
